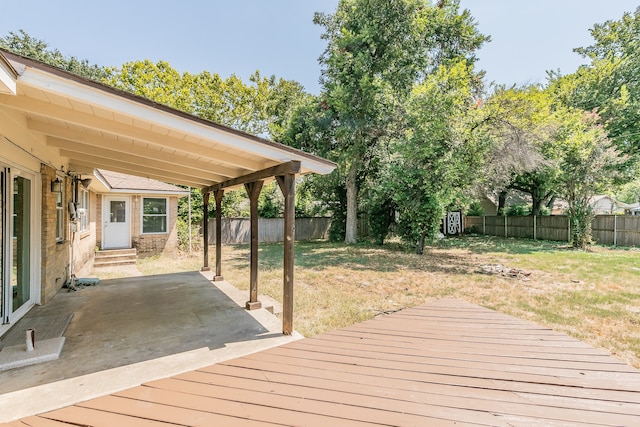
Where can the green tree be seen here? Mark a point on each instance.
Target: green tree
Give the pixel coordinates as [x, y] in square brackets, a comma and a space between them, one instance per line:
[589, 164]
[377, 50]
[260, 107]
[520, 123]
[610, 84]
[23, 44]
[432, 166]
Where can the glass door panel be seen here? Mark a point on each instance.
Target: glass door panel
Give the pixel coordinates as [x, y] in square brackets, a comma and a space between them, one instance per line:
[21, 266]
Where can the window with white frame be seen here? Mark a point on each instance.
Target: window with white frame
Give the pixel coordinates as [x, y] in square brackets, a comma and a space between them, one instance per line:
[154, 215]
[83, 209]
[60, 214]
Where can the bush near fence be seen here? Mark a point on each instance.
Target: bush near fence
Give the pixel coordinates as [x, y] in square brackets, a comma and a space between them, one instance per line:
[619, 230]
[238, 230]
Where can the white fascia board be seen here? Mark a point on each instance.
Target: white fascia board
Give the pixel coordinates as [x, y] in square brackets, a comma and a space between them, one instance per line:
[8, 77]
[156, 192]
[64, 87]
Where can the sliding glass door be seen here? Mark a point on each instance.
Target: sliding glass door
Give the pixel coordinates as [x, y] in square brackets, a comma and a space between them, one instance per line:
[16, 249]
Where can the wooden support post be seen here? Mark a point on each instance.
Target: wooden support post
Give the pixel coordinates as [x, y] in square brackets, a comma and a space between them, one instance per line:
[287, 186]
[253, 191]
[217, 194]
[205, 232]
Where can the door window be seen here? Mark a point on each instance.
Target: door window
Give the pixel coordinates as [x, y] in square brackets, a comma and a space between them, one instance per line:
[118, 212]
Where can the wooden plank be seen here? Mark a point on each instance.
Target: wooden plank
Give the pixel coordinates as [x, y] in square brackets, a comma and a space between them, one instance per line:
[615, 381]
[462, 347]
[93, 418]
[165, 412]
[426, 378]
[398, 389]
[349, 406]
[446, 341]
[259, 406]
[477, 361]
[412, 401]
[524, 359]
[35, 422]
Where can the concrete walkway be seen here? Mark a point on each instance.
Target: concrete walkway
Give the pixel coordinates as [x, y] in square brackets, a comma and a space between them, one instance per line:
[128, 331]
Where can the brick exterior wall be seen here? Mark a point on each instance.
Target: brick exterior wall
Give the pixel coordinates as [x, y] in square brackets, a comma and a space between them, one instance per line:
[84, 244]
[155, 244]
[55, 255]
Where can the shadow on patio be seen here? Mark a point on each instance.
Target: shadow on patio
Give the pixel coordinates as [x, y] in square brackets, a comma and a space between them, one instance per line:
[146, 327]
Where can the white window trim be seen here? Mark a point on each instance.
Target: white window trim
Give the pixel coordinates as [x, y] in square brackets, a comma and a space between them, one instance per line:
[166, 215]
[60, 210]
[83, 210]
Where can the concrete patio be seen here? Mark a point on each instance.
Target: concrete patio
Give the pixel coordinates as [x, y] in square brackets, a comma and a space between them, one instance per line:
[125, 332]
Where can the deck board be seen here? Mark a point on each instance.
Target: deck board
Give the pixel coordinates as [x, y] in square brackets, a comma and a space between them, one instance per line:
[446, 362]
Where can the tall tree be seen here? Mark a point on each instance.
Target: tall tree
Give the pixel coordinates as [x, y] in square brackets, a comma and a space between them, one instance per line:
[589, 165]
[520, 124]
[610, 83]
[377, 50]
[433, 165]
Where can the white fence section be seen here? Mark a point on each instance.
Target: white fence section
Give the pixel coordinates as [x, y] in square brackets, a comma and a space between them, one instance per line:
[238, 230]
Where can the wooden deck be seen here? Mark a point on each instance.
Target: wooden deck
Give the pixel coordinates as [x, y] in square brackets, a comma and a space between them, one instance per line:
[443, 363]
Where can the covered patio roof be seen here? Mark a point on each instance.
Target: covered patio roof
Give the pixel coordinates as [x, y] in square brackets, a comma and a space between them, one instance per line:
[96, 126]
[85, 125]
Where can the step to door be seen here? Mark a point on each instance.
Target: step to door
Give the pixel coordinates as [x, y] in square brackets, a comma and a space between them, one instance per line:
[114, 257]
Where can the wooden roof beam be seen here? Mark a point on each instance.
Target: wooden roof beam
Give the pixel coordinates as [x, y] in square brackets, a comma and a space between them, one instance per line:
[289, 168]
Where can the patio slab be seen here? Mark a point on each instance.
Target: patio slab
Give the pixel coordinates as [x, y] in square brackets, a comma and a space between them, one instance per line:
[125, 332]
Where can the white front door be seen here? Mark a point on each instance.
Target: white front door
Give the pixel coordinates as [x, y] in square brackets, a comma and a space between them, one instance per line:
[116, 230]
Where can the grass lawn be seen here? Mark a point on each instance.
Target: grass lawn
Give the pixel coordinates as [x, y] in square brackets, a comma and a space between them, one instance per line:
[593, 296]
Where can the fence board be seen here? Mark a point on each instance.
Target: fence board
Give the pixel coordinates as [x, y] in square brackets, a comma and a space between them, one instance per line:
[620, 230]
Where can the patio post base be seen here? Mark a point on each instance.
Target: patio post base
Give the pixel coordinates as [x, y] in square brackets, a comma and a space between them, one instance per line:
[253, 305]
[205, 269]
[218, 278]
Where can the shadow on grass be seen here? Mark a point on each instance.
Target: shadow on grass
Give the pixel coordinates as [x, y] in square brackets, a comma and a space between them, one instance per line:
[492, 244]
[450, 256]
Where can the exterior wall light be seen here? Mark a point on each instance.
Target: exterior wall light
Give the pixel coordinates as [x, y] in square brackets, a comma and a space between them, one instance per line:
[56, 186]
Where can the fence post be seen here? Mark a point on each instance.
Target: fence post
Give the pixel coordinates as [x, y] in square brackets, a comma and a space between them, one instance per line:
[615, 230]
[568, 230]
[534, 227]
[484, 225]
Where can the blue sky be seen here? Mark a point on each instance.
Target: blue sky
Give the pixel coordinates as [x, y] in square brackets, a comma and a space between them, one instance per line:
[278, 36]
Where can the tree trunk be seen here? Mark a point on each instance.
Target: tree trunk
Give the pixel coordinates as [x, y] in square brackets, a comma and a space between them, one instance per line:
[536, 205]
[351, 228]
[502, 201]
[550, 203]
[420, 247]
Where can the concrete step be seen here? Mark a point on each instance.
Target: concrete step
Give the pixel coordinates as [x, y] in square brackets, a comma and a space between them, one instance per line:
[113, 257]
[108, 252]
[104, 263]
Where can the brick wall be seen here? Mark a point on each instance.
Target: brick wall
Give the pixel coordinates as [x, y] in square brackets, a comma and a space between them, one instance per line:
[155, 244]
[84, 245]
[55, 255]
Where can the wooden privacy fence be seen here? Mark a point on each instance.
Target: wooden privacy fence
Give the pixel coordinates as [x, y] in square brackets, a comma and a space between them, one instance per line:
[238, 230]
[618, 230]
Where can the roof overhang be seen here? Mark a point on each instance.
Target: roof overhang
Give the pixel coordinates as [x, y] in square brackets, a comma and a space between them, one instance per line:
[96, 126]
[8, 77]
